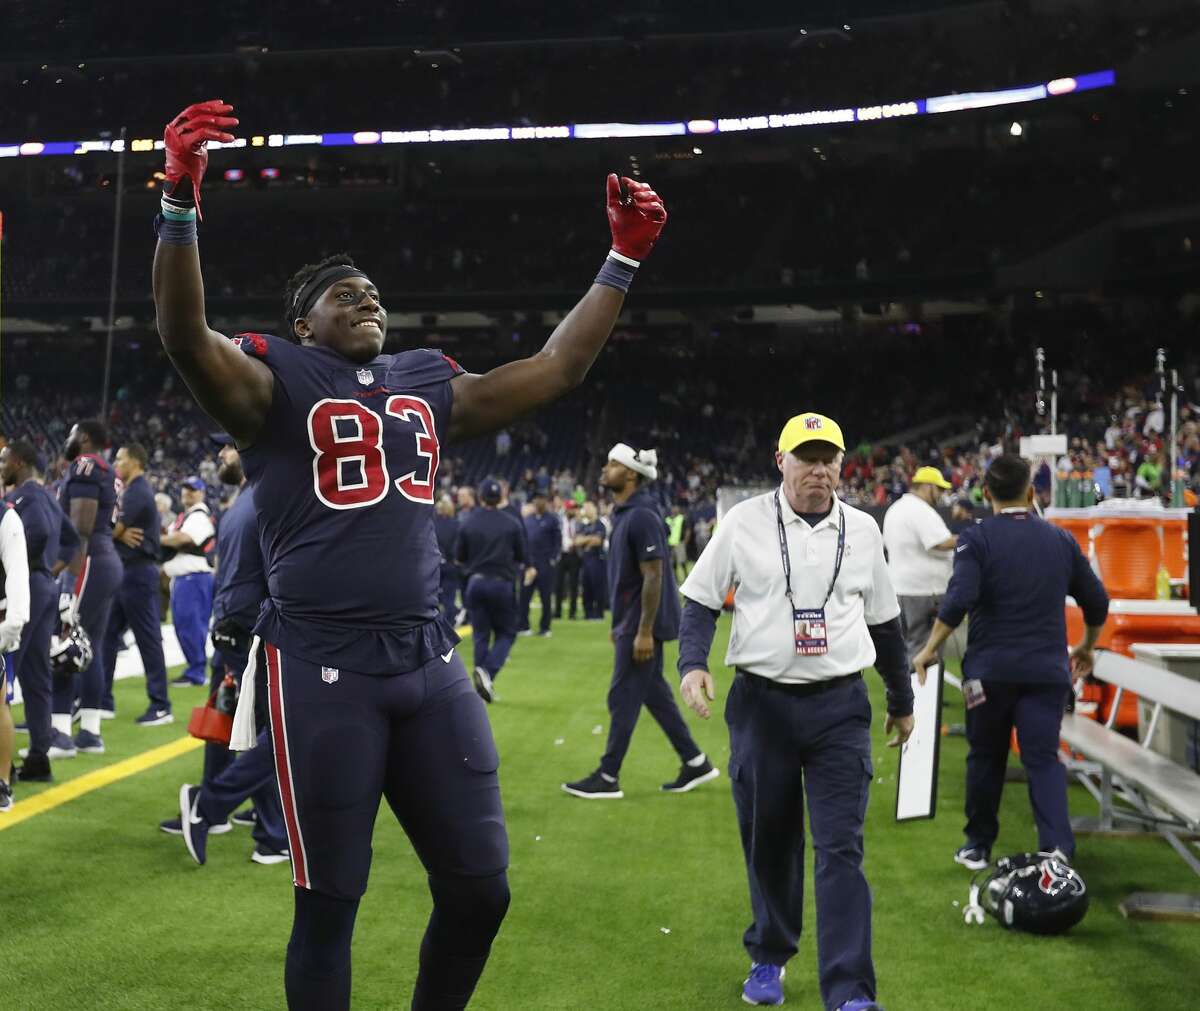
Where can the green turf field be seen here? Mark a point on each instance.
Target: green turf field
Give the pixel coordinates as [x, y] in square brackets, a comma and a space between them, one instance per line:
[638, 903]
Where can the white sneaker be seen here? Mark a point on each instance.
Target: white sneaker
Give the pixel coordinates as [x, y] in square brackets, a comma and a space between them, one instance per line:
[483, 684]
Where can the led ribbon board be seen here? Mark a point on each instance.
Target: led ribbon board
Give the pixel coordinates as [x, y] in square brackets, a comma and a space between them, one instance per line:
[936, 105]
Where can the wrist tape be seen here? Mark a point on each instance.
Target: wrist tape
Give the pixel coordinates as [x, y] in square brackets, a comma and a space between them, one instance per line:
[618, 271]
[175, 231]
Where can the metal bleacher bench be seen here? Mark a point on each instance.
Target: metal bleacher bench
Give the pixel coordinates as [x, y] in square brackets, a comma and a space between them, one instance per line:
[1154, 792]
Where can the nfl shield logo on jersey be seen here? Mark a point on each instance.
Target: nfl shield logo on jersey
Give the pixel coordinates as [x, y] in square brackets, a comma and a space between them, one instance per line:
[365, 376]
[329, 675]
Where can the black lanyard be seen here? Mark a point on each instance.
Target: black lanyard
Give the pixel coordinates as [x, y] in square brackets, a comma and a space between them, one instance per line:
[787, 560]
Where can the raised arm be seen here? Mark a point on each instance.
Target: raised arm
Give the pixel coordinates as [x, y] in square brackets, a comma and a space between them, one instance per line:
[231, 387]
[484, 403]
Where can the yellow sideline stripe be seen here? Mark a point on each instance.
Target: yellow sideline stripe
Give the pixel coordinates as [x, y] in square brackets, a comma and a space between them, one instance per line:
[58, 795]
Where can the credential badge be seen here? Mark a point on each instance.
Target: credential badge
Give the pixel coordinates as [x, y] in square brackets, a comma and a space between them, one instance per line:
[365, 376]
[329, 675]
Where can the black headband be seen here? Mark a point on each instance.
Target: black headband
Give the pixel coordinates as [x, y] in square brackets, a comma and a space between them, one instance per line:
[315, 287]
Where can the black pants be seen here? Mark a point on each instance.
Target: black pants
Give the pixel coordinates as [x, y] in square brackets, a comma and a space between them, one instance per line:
[635, 685]
[568, 584]
[1035, 710]
[544, 584]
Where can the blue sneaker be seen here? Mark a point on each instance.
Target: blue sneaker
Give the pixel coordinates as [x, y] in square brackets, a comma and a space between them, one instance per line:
[764, 985]
[195, 828]
[89, 743]
[860, 1004]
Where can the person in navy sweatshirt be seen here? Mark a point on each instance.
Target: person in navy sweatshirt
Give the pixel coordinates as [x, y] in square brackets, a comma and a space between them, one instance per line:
[1012, 574]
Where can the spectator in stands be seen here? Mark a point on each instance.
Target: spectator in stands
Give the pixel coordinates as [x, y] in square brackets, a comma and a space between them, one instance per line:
[1012, 574]
[465, 500]
[191, 539]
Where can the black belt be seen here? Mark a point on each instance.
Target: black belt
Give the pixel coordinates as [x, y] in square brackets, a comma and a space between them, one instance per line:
[801, 690]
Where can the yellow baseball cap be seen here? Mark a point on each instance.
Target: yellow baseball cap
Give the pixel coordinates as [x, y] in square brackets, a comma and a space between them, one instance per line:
[810, 428]
[930, 475]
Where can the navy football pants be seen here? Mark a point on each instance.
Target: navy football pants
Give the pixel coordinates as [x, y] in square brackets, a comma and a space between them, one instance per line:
[32, 660]
[492, 605]
[96, 585]
[136, 607]
[191, 605]
[249, 776]
[783, 748]
[421, 740]
[1036, 711]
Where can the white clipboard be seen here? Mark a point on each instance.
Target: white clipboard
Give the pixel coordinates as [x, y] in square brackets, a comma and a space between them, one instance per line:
[916, 786]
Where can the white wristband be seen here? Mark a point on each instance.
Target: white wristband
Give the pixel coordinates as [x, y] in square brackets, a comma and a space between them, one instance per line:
[624, 259]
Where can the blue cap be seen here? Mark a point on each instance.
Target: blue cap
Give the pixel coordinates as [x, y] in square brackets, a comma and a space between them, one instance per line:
[192, 482]
[489, 490]
[221, 438]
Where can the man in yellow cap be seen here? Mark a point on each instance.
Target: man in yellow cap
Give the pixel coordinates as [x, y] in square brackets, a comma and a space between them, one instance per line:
[813, 607]
[920, 550]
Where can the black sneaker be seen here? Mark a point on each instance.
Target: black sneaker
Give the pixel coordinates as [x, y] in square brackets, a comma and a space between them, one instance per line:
[247, 818]
[155, 716]
[182, 682]
[595, 787]
[483, 684]
[6, 796]
[174, 826]
[973, 858]
[691, 777]
[36, 769]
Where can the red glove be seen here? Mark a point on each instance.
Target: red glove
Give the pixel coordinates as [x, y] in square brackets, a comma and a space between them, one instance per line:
[636, 220]
[185, 138]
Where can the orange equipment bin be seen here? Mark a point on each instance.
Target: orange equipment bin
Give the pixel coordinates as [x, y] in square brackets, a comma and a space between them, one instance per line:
[1131, 621]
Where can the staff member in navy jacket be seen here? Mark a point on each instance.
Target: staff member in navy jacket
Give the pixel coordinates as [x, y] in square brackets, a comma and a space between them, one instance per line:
[543, 535]
[645, 614]
[1012, 573]
[135, 536]
[491, 548]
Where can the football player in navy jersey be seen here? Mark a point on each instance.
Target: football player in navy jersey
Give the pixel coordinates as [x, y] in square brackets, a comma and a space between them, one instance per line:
[366, 694]
[88, 496]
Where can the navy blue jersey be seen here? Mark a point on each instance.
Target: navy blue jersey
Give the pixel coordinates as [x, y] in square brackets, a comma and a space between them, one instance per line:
[91, 476]
[44, 524]
[544, 536]
[492, 543]
[639, 535]
[595, 529]
[1012, 574]
[446, 529]
[136, 508]
[240, 585]
[344, 473]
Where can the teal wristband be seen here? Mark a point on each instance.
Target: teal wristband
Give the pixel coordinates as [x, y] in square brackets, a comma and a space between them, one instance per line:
[173, 212]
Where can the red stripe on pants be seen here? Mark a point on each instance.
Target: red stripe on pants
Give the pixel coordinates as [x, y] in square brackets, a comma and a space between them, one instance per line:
[283, 769]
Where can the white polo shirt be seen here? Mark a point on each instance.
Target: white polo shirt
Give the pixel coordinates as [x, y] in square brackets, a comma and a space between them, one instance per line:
[911, 527]
[744, 553]
[198, 525]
